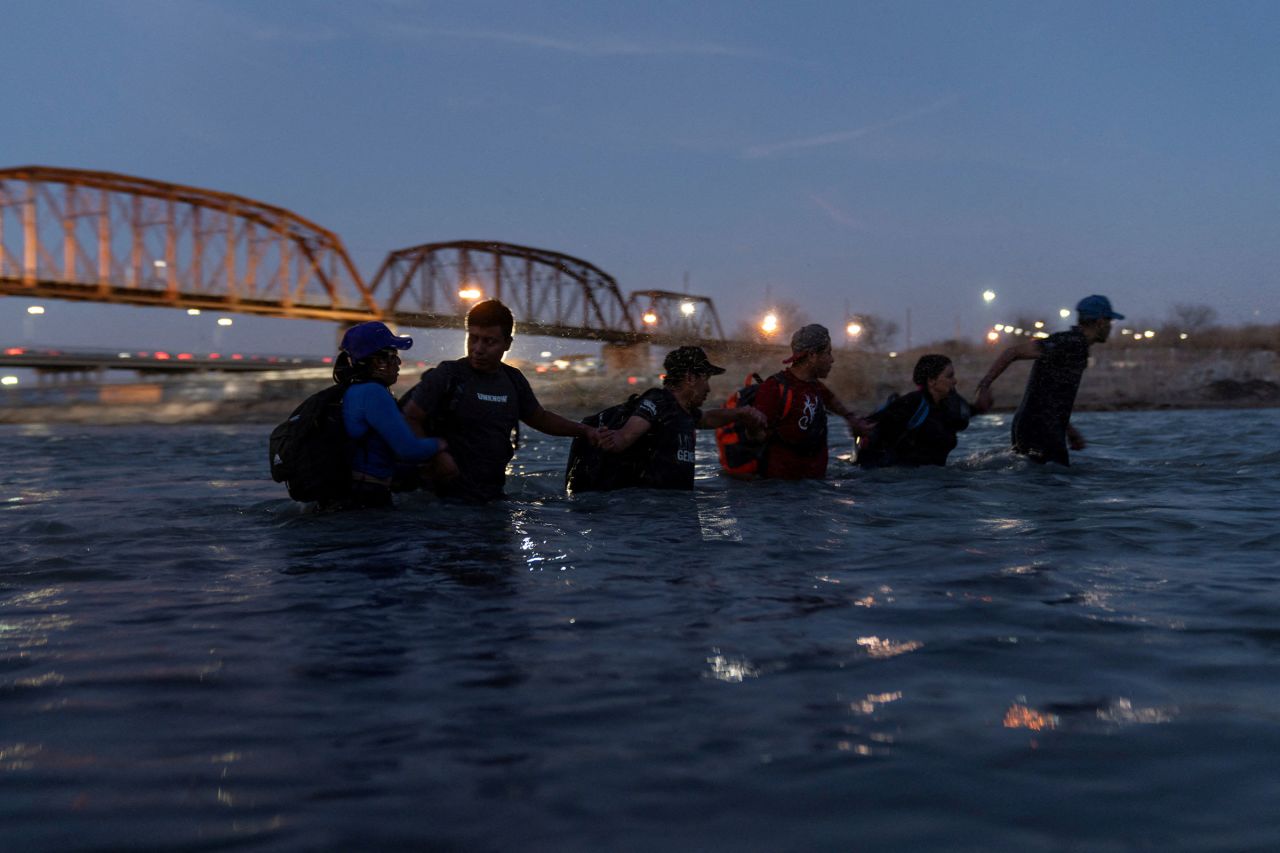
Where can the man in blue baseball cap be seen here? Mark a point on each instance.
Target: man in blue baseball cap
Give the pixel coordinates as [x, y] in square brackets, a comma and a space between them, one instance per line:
[1042, 428]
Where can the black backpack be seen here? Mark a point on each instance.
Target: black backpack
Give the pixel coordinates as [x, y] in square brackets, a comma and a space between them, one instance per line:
[591, 469]
[308, 452]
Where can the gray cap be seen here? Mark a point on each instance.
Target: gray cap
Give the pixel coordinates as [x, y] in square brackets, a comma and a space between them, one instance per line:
[811, 338]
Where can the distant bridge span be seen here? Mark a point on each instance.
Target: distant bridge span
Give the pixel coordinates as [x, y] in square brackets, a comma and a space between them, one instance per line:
[112, 238]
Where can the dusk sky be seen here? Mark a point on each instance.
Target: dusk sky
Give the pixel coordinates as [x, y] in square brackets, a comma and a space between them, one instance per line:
[885, 156]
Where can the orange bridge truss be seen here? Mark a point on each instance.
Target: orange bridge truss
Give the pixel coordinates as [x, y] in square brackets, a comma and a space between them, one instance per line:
[107, 237]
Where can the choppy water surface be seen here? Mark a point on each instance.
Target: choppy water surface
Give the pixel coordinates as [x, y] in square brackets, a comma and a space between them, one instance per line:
[991, 656]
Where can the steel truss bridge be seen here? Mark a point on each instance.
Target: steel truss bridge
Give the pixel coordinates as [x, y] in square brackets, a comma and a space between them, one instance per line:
[111, 238]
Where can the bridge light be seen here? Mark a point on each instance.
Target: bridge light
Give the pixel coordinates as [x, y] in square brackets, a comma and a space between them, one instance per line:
[687, 308]
[225, 321]
[471, 294]
[193, 312]
[650, 318]
[9, 380]
[35, 309]
[769, 324]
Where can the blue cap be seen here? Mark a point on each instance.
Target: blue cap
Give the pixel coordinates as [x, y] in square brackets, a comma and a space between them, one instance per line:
[1095, 308]
[364, 340]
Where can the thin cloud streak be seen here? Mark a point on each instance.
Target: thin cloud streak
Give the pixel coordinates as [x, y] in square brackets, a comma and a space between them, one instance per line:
[582, 47]
[838, 215]
[757, 152]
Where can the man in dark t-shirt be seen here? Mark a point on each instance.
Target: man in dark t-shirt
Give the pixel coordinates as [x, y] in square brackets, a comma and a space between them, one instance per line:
[476, 402]
[1042, 429]
[666, 421]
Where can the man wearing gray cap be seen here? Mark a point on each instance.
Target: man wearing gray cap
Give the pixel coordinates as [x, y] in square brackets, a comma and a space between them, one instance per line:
[1042, 427]
[795, 402]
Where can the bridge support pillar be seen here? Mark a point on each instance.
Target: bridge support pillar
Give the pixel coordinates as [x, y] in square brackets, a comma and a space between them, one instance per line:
[626, 358]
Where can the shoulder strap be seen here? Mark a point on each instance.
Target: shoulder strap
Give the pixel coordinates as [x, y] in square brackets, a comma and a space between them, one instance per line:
[922, 412]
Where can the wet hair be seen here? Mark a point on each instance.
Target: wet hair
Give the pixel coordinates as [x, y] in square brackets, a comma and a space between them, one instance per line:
[491, 312]
[929, 367]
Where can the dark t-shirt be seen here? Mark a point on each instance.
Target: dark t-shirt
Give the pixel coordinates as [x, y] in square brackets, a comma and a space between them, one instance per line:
[670, 441]
[1040, 425]
[477, 413]
[914, 430]
[797, 443]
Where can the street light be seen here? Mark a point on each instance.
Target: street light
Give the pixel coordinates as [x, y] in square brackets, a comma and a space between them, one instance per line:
[988, 296]
[853, 329]
[193, 312]
[650, 318]
[225, 321]
[687, 308]
[769, 324]
[1064, 313]
[35, 310]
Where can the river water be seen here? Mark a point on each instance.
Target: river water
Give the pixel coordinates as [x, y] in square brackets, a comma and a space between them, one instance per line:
[990, 656]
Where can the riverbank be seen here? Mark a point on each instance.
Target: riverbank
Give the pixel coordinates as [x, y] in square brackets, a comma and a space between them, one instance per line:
[1120, 379]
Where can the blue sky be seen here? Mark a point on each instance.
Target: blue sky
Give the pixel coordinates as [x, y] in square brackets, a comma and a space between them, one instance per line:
[884, 156]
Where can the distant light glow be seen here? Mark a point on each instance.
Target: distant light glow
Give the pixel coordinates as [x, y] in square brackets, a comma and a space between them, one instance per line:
[893, 355]
[649, 318]
[545, 354]
[687, 308]
[993, 336]
[999, 327]
[1182, 337]
[853, 329]
[35, 309]
[9, 380]
[159, 264]
[193, 312]
[988, 296]
[1064, 313]
[1039, 324]
[769, 324]
[1137, 336]
[1017, 331]
[225, 321]
[1148, 334]
[470, 294]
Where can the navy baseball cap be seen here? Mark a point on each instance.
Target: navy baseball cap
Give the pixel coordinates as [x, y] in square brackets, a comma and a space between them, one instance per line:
[364, 340]
[1095, 308]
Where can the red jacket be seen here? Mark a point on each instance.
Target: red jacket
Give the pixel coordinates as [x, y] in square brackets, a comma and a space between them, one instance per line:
[797, 413]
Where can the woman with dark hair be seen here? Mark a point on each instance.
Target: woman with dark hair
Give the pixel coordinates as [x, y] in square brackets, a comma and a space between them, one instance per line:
[378, 435]
[918, 428]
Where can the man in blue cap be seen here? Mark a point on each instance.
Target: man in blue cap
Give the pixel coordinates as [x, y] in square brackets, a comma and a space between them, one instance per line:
[1042, 427]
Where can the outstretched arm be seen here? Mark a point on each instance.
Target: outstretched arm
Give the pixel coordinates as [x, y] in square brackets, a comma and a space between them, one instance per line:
[754, 419]
[1017, 352]
[553, 424]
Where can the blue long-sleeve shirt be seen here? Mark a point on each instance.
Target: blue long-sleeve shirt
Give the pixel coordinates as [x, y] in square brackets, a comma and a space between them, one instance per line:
[378, 432]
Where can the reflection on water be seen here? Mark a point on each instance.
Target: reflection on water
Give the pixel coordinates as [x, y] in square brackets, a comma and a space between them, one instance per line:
[189, 661]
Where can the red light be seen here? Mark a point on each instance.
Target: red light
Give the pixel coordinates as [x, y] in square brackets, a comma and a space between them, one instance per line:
[214, 355]
[144, 355]
[162, 356]
[327, 359]
[235, 356]
[184, 356]
[14, 351]
[632, 380]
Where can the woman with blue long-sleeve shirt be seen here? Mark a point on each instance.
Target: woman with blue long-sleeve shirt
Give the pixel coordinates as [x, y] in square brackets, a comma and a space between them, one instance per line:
[378, 436]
